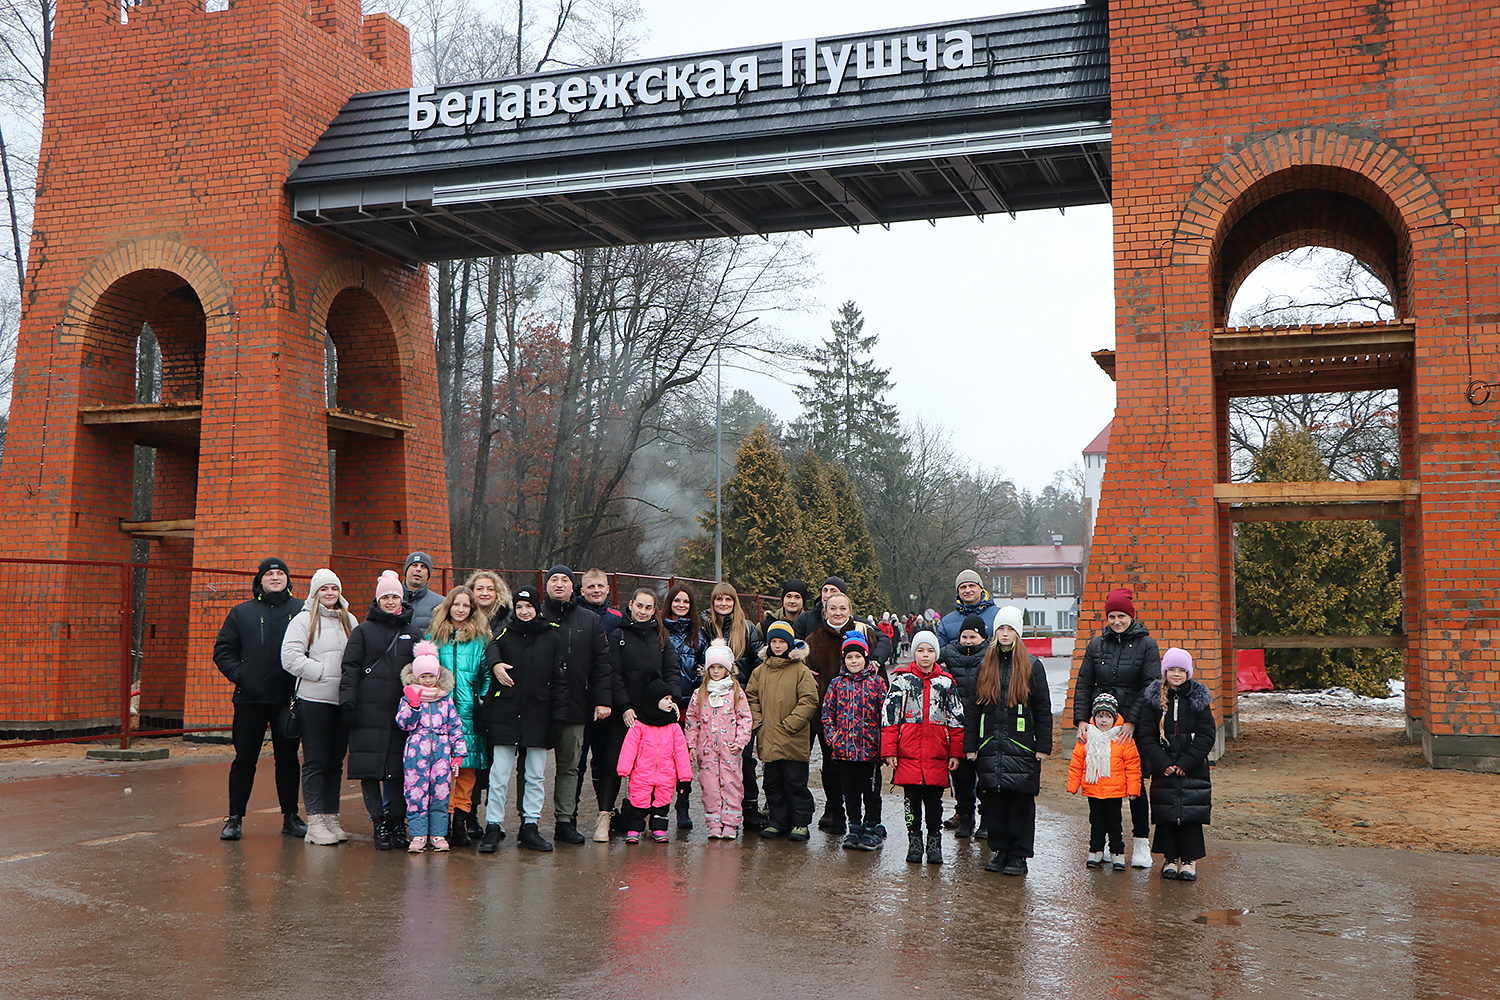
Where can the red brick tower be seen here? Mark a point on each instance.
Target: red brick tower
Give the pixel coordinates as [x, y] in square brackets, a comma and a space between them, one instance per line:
[168, 138]
[1245, 128]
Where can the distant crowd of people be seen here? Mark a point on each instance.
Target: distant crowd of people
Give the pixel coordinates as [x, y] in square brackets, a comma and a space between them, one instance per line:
[434, 703]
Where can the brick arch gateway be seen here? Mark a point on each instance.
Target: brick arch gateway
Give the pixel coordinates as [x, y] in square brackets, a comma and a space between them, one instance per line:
[1220, 133]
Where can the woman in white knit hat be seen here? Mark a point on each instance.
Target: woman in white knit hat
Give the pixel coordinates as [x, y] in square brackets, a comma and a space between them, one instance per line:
[313, 652]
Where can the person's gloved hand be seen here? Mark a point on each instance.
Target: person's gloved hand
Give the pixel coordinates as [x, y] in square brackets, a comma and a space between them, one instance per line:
[455, 764]
[413, 695]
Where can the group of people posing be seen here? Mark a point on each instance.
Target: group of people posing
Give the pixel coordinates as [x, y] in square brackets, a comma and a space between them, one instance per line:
[435, 700]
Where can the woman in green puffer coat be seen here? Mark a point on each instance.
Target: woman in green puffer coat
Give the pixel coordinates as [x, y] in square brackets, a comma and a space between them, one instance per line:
[461, 633]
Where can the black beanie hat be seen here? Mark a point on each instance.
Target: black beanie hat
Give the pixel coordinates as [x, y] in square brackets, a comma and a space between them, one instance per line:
[836, 582]
[649, 713]
[559, 568]
[527, 595]
[270, 563]
[795, 587]
[976, 623]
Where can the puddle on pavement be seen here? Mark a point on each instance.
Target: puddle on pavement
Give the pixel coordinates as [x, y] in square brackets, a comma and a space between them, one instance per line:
[1220, 918]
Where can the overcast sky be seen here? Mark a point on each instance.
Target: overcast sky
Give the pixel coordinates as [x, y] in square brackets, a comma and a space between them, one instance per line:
[987, 327]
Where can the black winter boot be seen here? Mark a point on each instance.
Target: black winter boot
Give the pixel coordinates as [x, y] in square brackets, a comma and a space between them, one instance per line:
[914, 847]
[293, 825]
[567, 832]
[531, 838]
[458, 830]
[233, 828]
[472, 826]
[396, 824]
[754, 818]
[382, 834]
[965, 827]
[492, 837]
[684, 817]
[934, 848]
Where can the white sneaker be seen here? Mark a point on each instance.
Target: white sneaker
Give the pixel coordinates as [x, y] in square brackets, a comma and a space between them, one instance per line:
[1117, 861]
[1142, 856]
[1094, 860]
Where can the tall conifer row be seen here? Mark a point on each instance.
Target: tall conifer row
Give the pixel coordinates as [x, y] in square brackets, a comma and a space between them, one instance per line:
[1315, 578]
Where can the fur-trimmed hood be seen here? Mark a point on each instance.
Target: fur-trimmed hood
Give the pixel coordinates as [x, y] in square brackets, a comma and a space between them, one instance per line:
[1198, 695]
[796, 654]
[446, 683]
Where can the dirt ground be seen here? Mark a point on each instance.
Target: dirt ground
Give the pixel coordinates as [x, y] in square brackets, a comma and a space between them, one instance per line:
[1309, 774]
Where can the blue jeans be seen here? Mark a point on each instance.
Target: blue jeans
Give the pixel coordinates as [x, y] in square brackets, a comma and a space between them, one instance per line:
[504, 765]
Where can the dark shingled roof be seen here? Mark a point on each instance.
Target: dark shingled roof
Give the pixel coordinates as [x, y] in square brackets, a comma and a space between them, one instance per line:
[1026, 127]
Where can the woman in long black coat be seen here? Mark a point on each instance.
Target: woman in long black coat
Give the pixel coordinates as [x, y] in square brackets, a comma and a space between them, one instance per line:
[640, 651]
[369, 689]
[1175, 732]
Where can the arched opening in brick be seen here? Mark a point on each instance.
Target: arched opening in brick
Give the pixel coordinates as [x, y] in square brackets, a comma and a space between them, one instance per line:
[367, 468]
[1349, 388]
[148, 334]
[1311, 206]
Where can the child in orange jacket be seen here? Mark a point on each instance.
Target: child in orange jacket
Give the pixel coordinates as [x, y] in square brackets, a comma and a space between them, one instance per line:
[1108, 769]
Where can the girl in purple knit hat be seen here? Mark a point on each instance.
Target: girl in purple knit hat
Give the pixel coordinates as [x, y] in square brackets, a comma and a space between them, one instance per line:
[1174, 731]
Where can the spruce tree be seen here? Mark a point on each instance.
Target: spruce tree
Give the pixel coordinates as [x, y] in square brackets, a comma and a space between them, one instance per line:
[762, 526]
[1315, 578]
[819, 514]
[845, 415]
[853, 557]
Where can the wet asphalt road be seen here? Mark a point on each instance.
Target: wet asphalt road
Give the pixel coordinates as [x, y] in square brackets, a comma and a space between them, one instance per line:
[108, 895]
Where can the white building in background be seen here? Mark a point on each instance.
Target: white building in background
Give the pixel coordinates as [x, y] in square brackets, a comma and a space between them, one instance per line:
[1044, 581]
[1094, 455]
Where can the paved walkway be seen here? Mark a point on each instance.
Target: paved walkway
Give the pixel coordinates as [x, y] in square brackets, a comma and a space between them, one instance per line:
[104, 894]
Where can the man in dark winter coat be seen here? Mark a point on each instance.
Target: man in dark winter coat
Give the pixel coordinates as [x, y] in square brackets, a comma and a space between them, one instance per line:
[971, 599]
[588, 693]
[595, 598]
[416, 574]
[248, 653]
[1121, 660]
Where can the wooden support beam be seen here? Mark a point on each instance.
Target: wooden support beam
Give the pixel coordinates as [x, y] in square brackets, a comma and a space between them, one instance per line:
[1320, 642]
[142, 413]
[371, 424]
[1377, 511]
[182, 528]
[1375, 490]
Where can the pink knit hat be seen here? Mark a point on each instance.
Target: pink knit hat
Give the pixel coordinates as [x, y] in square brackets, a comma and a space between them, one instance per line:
[389, 583]
[426, 661]
[1175, 657]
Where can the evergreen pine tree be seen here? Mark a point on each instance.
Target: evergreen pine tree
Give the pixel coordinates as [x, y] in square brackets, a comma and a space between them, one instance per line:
[1315, 578]
[819, 514]
[845, 416]
[762, 526]
[853, 557]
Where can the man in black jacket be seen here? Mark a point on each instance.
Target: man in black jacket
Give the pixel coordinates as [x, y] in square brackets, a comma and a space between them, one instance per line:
[588, 692]
[248, 653]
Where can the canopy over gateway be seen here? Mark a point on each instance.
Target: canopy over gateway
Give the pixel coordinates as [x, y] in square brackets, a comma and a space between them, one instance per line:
[1005, 114]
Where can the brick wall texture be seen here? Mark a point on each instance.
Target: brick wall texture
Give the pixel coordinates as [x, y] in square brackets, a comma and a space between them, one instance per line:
[1246, 128]
[160, 200]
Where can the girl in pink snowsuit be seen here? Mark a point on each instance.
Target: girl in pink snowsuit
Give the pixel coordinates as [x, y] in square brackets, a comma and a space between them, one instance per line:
[718, 729]
[434, 749]
[655, 759]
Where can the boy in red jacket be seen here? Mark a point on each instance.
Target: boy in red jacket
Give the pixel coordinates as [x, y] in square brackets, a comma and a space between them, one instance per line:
[923, 736]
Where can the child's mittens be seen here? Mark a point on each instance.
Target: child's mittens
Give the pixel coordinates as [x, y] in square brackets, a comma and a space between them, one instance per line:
[456, 763]
[413, 695]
